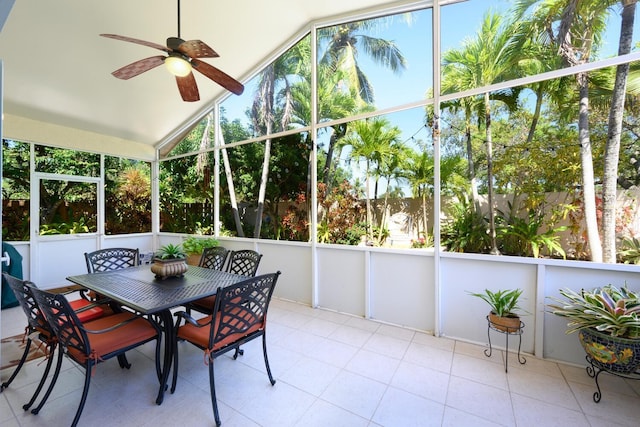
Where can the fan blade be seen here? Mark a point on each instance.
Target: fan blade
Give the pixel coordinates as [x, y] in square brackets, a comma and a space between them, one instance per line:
[197, 49]
[188, 88]
[138, 67]
[218, 76]
[137, 41]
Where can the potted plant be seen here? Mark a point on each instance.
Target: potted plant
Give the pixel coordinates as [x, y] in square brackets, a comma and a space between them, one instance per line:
[194, 246]
[503, 306]
[607, 320]
[169, 260]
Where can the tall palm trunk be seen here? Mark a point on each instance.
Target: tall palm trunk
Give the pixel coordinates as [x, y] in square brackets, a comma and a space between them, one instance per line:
[492, 224]
[263, 183]
[266, 104]
[424, 215]
[612, 149]
[575, 55]
[586, 159]
[338, 132]
[536, 113]
[470, 164]
[368, 202]
[232, 190]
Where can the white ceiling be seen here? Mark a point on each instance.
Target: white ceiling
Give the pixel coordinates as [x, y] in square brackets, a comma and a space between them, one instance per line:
[57, 83]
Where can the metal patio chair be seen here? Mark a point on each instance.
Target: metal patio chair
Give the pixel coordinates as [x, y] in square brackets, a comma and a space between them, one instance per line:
[240, 315]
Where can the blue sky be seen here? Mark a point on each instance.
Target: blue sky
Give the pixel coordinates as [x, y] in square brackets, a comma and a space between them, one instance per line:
[459, 21]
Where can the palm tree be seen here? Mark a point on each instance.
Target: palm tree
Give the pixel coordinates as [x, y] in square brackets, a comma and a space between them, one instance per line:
[420, 174]
[341, 55]
[612, 148]
[275, 87]
[392, 167]
[488, 58]
[574, 27]
[371, 140]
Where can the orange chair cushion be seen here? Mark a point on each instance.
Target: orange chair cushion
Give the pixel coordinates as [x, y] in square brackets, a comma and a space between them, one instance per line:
[200, 336]
[86, 315]
[120, 338]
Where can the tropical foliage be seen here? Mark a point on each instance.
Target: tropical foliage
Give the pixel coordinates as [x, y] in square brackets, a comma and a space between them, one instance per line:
[374, 135]
[612, 310]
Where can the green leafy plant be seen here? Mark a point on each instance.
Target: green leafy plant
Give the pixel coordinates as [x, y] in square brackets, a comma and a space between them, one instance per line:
[503, 303]
[170, 251]
[424, 241]
[630, 253]
[196, 245]
[466, 230]
[74, 227]
[611, 310]
[522, 237]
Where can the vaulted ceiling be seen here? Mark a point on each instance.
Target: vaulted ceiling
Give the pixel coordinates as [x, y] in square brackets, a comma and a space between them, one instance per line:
[58, 87]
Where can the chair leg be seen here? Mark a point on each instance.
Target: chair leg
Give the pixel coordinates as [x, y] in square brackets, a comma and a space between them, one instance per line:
[85, 392]
[51, 349]
[122, 360]
[214, 400]
[56, 373]
[22, 360]
[238, 352]
[266, 359]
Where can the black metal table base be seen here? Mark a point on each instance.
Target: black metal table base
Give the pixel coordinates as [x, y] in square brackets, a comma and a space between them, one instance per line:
[595, 369]
[518, 332]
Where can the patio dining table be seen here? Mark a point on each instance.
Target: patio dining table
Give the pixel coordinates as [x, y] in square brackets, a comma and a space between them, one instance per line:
[138, 289]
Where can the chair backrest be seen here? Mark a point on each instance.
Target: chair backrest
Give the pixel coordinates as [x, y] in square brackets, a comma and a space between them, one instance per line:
[22, 291]
[63, 321]
[214, 258]
[111, 259]
[244, 262]
[240, 310]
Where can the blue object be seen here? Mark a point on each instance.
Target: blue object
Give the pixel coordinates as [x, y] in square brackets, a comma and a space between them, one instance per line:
[14, 269]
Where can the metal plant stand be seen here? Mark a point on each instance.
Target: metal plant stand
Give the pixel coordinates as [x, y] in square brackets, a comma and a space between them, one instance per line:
[518, 332]
[595, 368]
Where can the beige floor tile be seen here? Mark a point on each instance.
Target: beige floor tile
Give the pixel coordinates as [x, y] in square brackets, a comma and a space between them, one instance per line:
[331, 370]
[402, 409]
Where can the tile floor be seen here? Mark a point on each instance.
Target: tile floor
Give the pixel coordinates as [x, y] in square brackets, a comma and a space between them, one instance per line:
[331, 370]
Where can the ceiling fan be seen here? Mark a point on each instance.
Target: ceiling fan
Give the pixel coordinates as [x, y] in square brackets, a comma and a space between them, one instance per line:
[183, 56]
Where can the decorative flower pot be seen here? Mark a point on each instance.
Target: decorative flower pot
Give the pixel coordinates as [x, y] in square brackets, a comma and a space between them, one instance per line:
[194, 259]
[164, 268]
[615, 354]
[508, 324]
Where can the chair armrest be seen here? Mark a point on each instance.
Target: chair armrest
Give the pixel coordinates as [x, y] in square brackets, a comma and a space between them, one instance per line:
[117, 325]
[187, 317]
[66, 289]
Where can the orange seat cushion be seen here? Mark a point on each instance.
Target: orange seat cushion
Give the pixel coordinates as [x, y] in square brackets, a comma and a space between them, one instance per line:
[86, 315]
[200, 336]
[135, 331]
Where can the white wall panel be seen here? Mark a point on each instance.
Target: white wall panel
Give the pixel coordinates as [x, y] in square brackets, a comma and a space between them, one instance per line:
[402, 289]
[464, 316]
[341, 279]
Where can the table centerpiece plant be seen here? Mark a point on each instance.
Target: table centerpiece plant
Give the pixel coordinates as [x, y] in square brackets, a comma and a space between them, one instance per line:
[607, 320]
[169, 260]
[503, 306]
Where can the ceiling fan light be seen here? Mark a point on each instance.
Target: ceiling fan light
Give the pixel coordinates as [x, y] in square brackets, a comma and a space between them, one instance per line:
[177, 66]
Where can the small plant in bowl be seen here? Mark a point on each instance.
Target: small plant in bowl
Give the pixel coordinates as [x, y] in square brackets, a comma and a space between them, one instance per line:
[170, 251]
[503, 306]
[170, 260]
